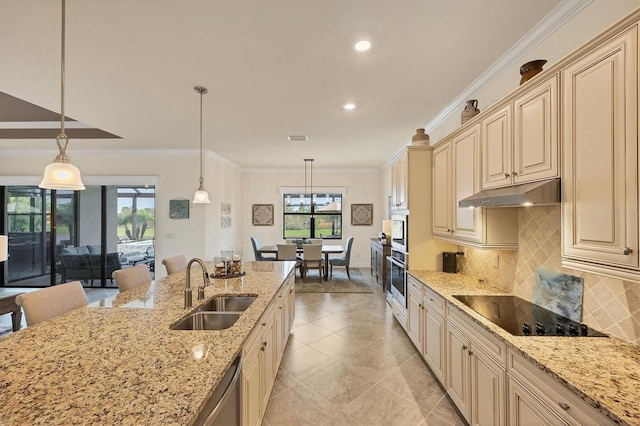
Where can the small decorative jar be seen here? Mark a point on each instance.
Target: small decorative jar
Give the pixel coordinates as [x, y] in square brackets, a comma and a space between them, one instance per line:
[219, 266]
[470, 110]
[530, 69]
[227, 256]
[420, 138]
[236, 261]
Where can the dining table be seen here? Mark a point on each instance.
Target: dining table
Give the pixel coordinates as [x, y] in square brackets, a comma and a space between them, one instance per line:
[327, 249]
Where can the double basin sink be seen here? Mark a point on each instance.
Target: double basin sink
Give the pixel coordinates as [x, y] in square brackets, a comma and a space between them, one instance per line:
[218, 313]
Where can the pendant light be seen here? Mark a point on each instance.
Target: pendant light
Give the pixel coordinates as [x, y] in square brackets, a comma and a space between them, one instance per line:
[61, 174]
[201, 196]
[308, 162]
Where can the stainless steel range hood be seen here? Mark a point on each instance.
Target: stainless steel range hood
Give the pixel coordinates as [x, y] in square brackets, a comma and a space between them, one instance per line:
[528, 194]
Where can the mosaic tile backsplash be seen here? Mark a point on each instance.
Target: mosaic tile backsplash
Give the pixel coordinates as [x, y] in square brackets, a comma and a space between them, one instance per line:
[610, 305]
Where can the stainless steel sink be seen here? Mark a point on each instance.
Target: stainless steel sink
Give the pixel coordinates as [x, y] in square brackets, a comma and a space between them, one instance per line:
[227, 304]
[207, 321]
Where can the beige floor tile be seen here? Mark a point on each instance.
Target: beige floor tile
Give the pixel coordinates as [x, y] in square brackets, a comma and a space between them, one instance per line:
[340, 383]
[338, 347]
[310, 333]
[333, 322]
[298, 322]
[348, 351]
[305, 362]
[414, 382]
[300, 407]
[381, 407]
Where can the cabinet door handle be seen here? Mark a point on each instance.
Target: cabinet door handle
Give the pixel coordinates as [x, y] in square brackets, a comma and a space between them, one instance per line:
[264, 324]
[514, 174]
[507, 175]
[564, 405]
[464, 347]
[470, 353]
[627, 250]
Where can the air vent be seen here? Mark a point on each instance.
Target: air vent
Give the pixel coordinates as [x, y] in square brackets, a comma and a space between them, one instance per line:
[298, 138]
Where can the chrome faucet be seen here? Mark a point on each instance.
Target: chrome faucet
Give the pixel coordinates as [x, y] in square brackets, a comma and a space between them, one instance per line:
[188, 299]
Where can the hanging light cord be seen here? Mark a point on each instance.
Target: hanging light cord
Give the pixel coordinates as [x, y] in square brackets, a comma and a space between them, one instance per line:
[201, 182]
[62, 140]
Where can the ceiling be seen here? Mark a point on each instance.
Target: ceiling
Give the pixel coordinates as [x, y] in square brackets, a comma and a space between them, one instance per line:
[273, 68]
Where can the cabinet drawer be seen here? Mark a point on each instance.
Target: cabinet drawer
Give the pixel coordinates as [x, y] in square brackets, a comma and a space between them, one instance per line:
[433, 300]
[567, 405]
[415, 286]
[494, 346]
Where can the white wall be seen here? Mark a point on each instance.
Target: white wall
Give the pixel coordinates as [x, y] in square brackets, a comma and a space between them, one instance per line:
[362, 186]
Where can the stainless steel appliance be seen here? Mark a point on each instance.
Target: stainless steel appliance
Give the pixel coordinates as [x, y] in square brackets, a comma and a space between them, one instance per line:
[397, 276]
[224, 408]
[400, 232]
[449, 262]
[522, 318]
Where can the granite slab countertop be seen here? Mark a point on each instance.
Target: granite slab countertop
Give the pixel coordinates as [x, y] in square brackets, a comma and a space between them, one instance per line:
[117, 361]
[604, 372]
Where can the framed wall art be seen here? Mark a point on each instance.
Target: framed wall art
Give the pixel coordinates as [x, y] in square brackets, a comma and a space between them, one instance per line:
[179, 209]
[262, 215]
[361, 214]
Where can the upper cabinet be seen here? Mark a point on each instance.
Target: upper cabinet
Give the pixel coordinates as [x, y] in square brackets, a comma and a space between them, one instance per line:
[399, 182]
[456, 175]
[600, 159]
[520, 138]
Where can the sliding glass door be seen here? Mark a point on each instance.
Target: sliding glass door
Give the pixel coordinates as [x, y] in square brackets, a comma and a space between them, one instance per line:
[60, 236]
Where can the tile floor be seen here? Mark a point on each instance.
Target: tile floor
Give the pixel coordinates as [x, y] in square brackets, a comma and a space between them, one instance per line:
[348, 362]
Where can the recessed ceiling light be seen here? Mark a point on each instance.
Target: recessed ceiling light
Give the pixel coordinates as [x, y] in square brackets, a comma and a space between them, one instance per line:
[300, 138]
[349, 106]
[362, 46]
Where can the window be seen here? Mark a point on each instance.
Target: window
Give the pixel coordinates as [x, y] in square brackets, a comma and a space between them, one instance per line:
[303, 218]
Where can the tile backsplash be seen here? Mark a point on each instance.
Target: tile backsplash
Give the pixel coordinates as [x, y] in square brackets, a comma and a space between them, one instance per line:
[610, 305]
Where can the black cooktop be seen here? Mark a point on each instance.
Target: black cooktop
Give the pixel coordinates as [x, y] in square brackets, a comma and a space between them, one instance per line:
[522, 318]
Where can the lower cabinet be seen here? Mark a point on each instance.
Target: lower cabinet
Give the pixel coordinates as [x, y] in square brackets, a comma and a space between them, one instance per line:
[536, 398]
[490, 383]
[475, 381]
[263, 352]
[379, 253]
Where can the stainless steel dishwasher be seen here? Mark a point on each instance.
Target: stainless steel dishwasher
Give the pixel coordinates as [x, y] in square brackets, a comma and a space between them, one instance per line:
[224, 408]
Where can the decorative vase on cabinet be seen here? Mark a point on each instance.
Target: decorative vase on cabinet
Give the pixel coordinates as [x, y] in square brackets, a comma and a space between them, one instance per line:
[470, 110]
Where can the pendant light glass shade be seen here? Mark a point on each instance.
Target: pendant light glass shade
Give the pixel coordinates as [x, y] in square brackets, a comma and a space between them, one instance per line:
[61, 174]
[201, 196]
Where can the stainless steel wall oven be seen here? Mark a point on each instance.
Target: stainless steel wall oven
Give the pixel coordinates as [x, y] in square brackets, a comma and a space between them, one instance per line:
[397, 276]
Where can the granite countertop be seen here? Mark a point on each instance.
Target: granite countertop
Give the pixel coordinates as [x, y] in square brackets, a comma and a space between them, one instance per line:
[116, 361]
[604, 372]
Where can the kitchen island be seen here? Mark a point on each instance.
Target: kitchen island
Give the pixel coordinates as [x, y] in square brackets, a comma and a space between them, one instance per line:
[117, 361]
[603, 372]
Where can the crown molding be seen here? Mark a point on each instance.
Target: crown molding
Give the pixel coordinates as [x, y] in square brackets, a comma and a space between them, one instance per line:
[555, 19]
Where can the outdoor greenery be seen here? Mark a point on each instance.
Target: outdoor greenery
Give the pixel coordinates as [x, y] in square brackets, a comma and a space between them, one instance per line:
[136, 226]
[321, 219]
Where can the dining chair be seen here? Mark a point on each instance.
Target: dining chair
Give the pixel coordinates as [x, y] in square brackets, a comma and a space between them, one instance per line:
[132, 277]
[288, 252]
[40, 305]
[312, 259]
[342, 260]
[255, 243]
[175, 264]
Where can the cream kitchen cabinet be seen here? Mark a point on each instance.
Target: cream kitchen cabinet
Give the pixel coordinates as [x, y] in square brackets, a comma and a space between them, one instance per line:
[520, 137]
[456, 175]
[600, 159]
[536, 398]
[263, 352]
[475, 376]
[425, 324]
[399, 182]
[433, 332]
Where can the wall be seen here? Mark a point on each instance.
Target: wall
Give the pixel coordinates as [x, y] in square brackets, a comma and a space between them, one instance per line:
[361, 186]
[609, 304]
